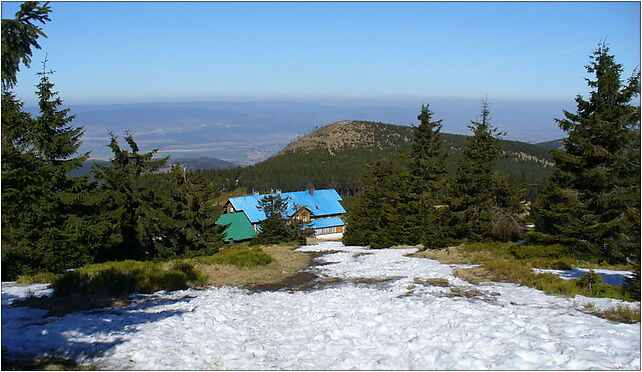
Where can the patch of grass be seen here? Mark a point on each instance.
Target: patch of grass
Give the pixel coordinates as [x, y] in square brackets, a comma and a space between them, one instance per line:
[38, 278]
[125, 277]
[286, 264]
[521, 251]
[452, 255]
[239, 257]
[498, 263]
[471, 293]
[619, 313]
[473, 275]
[551, 283]
[435, 282]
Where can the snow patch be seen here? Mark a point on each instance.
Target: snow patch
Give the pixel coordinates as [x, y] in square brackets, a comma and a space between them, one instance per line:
[353, 325]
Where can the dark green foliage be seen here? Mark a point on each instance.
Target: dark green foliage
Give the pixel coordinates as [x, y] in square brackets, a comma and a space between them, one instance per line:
[125, 277]
[178, 218]
[589, 281]
[19, 35]
[379, 213]
[472, 192]
[427, 183]
[522, 251]
[277, 227]
[239, 257]
[593, 200]
[120, 198]
[42, 206]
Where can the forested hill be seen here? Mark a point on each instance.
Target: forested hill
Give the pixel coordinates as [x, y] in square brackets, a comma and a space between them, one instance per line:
[336, 155]
[555, 144]
[202, 162]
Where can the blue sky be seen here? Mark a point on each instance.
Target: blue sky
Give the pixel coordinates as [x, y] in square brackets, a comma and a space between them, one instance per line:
[121, 52]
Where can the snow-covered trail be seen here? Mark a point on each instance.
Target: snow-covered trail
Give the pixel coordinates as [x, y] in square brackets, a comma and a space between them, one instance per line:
[375, 318]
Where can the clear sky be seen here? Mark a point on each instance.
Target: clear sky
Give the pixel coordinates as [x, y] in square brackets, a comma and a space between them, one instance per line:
[121, 52]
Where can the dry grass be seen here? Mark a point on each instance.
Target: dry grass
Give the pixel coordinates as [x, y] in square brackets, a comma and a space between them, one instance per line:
[473, 275]
[619, 313]
[435, 282]
[356, 255]
[452, 255]
[287, 263]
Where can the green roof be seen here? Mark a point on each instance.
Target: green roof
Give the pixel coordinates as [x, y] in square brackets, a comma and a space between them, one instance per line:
[240, 227]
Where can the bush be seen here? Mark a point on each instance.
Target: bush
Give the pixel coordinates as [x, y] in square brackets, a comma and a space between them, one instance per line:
[508, 271]
[619, 313]
[522, 251]
[45, 277]
[551, 283]
[239, 257]
[124, 277]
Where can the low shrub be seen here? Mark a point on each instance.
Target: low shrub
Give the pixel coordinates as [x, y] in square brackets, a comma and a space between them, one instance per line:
[239, 257]
[551, 283]
[38, 278]
[619, 313]
[124, 277]
[522, 251]
[508, 271]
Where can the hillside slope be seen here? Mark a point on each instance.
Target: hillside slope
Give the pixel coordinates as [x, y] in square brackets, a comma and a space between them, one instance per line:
[337, 154]
[557, 144]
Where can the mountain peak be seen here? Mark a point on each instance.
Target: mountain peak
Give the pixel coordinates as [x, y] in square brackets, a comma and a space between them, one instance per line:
[351, 134]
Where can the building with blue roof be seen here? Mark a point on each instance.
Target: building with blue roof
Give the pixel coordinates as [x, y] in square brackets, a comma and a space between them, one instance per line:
[321, 208]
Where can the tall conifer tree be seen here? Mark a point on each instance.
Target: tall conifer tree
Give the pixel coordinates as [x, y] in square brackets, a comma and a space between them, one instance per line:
[471, 192]
[120, 197]
[592, 202]
[43, 207]
[427, 182]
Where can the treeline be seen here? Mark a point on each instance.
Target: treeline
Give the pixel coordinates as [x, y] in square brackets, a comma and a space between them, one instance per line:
[591, 204]
[419, 202]
[53, 221]
[341, 170]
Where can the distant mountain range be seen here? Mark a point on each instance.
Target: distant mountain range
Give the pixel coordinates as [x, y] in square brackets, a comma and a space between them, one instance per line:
[248, 132]
[202, 162]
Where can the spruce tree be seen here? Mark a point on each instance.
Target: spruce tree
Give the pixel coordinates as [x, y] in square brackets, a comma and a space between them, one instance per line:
[274, 229]
[178, 217]
[121, 196]
[19, 35]
[379, 212]
[427, 161]
[471, 194]
[592, 202]
[43, 206]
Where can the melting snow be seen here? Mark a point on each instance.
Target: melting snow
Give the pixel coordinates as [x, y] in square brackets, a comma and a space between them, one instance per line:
[376, 318]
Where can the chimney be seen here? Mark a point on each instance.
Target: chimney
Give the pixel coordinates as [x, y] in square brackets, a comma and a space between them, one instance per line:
[311, 189]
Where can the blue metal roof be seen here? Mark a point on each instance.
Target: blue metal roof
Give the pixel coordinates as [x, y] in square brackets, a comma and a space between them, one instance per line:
[327, 222]
[320, 203]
